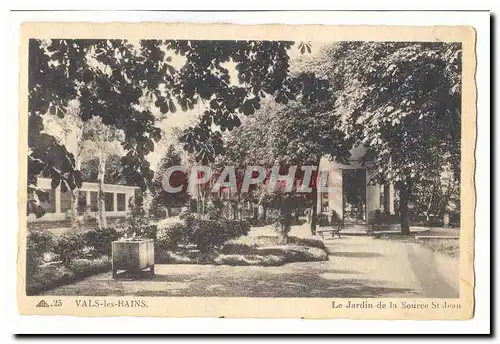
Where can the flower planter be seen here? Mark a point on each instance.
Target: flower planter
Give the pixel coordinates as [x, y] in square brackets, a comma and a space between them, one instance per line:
[133, 256]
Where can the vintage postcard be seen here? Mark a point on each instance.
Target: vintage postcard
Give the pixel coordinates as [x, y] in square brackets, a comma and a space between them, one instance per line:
[220, 170]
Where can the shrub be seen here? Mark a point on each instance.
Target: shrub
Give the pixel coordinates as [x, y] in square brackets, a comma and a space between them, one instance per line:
[435, 223]
[214, 209]
[210, 235]
[54, 275]
[137, 222]
[170, 236]
[86, 267]
[236, 228]
[206, 235]
[100, 240]
[69, 246]
[37, 244]
[187, 217]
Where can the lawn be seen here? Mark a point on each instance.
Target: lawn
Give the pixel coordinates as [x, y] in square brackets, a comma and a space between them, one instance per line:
[449, 247]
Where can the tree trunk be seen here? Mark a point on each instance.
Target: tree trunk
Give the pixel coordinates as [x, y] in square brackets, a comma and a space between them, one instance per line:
[264, 213]
[101, 207]
[167, 211]
[405, 192]
[314, 203]
[314, 209]
[74, 197]
[74, 209]
[285, 221]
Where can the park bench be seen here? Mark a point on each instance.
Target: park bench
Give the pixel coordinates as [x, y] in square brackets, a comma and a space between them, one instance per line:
[376, 225]
[335, 226]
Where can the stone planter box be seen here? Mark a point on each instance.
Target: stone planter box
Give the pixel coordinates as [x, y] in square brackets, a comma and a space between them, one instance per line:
[133, 256]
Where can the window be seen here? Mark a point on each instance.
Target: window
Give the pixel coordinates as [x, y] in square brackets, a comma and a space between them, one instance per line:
[93, 201]
[109, 204]
[49, 203]
[82, 202]
[66, 200]
[120, 201]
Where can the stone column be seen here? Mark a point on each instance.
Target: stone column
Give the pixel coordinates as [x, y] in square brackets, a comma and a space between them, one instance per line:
[87, 199]
[391, 199]
[57, 194]
[372, 197]
[334, 191]
[115, 202]
[386, 198]
[335, 197]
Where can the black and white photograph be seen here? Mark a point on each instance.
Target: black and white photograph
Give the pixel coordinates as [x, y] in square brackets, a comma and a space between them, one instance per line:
[264, 168]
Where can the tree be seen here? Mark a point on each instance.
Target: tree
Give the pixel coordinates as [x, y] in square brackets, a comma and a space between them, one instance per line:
[401, 100]
[85, 140]
[113, 175]
[162, 198]
[111, 77]
[69, 132]
[434, 198]
[293, 135]
[103, 141]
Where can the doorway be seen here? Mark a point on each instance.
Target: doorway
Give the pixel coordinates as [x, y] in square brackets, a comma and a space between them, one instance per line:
[354, 196]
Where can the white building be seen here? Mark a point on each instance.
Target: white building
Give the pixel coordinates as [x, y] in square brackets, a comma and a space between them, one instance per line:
[116, 200]
[376, 197]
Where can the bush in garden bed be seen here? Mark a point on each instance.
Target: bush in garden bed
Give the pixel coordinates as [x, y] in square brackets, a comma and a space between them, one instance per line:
[170, 236]
[71, 249]
[206, 235]
[210, 235]
[69, 246]
[50, 276]
[37, 244]
[100, 240]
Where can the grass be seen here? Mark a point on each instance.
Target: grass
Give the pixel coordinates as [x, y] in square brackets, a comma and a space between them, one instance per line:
[268, 251]
[449, 247]
[253, 250]
[265, 240]
[250, 259]
[53, 275]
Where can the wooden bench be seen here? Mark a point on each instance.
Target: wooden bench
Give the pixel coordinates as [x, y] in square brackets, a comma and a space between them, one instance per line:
[336, 224]
[333, 230]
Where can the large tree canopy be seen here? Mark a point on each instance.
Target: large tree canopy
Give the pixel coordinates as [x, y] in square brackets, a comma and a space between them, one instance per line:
[401, 100]
[110, 78]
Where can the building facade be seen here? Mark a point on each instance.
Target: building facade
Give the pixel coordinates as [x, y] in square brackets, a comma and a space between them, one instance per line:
[116, 200]
[350, 193]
